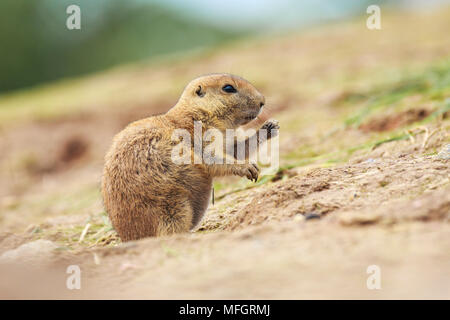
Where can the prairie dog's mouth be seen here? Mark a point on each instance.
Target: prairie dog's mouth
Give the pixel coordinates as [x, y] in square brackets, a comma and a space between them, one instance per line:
[255, 115]
[248, 118]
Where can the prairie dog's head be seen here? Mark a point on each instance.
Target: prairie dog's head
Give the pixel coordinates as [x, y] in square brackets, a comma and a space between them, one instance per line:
[227, 97]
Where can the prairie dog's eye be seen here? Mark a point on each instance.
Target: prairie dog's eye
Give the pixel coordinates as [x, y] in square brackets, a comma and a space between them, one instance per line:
[229, 88]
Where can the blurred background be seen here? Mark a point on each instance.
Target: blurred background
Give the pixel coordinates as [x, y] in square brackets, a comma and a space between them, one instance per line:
[37, 47]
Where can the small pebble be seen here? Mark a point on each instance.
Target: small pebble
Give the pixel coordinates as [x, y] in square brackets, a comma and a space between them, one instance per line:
[444, 154]
[312, 215]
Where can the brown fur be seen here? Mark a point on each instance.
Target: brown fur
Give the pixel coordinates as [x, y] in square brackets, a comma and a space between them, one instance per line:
[144, 192]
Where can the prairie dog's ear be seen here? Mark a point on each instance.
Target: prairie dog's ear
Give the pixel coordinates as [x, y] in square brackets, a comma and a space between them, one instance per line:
[199, 91]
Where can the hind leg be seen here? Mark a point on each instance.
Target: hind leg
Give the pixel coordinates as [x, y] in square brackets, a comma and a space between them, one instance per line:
[177, 218]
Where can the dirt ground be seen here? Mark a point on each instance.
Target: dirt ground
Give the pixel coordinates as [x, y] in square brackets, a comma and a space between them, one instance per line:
[364, 175]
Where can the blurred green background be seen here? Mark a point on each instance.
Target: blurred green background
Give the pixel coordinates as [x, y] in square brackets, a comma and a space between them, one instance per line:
[37, 47]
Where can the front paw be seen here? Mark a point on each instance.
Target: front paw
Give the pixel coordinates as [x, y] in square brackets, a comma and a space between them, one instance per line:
[270, 125]
[249, 170]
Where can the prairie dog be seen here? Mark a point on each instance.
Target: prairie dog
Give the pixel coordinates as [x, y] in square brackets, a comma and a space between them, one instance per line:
[144, 192]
